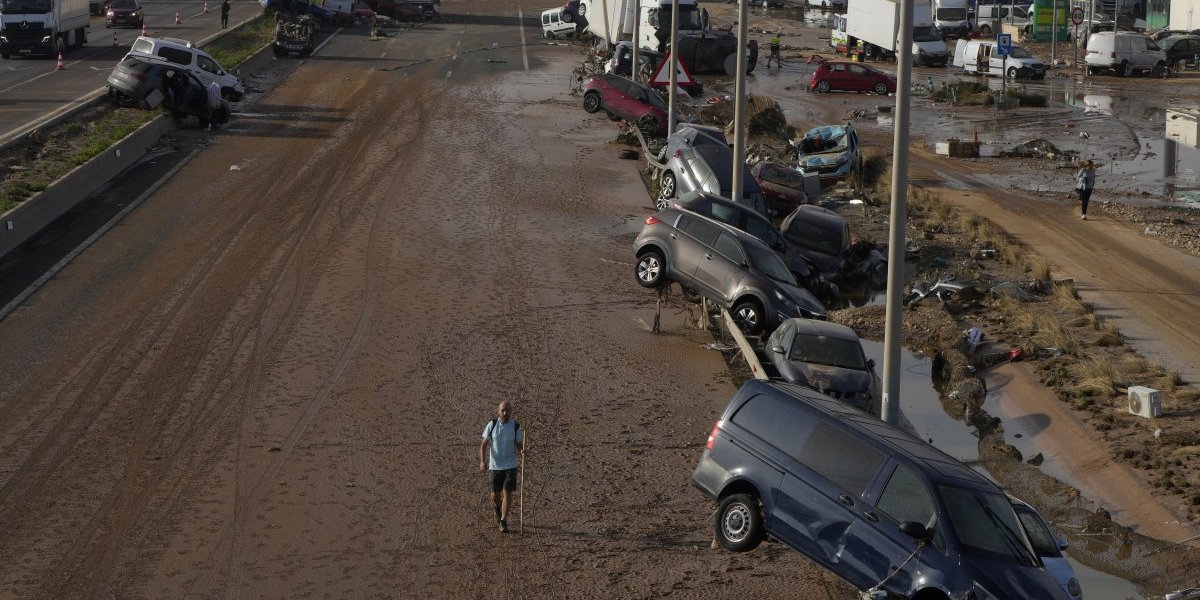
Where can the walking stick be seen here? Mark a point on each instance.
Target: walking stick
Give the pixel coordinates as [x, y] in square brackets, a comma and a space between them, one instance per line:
[521, 493]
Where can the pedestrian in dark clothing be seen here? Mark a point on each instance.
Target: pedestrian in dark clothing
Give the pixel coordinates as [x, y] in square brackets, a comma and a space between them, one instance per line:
[500, 453]
[1085, 180]
[224, 14]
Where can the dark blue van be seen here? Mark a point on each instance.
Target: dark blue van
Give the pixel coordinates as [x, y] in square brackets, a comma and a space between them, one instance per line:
[878, 507]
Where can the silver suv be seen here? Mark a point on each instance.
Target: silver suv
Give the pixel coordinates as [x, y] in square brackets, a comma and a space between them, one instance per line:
[733, 268]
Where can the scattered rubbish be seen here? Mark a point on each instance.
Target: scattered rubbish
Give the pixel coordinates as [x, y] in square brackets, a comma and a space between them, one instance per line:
[989, 253]
[944, 289]
[956, 148]
[1150, 231]
[234, 168]
[1016, 355]
[628, 154]
[492, 60]
[1188, 594]
[720, 347]
[974, 335]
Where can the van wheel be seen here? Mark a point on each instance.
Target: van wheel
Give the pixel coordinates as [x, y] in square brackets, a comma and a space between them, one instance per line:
[650, 269]
[1012, 72]
[1126, 69]
[567, 17]
[749, 317]
[739, 523]
[591, 101]
[985, 30]
[550, 34]
[1159, 69]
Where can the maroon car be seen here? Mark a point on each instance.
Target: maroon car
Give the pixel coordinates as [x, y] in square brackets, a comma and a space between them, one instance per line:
[782, 186]
[123, 12]
[851, 77]
[626, 99]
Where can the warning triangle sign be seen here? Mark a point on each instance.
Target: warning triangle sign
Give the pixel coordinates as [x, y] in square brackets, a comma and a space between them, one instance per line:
[663, 77]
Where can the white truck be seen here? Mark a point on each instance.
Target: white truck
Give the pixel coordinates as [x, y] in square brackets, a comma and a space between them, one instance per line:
[42, 26]
[702, 49]
[874, 25]
[950, 18]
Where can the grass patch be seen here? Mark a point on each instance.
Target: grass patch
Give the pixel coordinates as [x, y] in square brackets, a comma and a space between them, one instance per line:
[233, 48]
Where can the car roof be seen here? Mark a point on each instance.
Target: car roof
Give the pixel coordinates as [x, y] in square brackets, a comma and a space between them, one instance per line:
[824, 328]
[820, 214]
[694, 195]
[745, 237]
[938, 466]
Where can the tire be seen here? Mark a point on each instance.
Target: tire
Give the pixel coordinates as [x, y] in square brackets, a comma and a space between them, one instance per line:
[550, 34]
[985, 30]
[591, 102]
[567, 17]
[1126, 69]
[749, 316]
[650, 269]
[823, 87]
[1159, 69]
[583, 10]
[1012, 72]
[666, 187]
[880, 88]
[649, 125]
[738, 525]
[730, 65]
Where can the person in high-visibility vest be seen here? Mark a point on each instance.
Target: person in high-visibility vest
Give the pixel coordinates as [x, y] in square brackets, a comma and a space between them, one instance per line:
[776, 44]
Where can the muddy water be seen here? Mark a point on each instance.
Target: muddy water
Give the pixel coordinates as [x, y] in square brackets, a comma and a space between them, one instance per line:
[921, 413]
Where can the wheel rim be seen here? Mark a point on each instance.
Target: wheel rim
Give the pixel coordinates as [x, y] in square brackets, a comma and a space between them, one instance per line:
[648, 269]
[648, 124]
[736, 523]
[823, 86]
[881, 88]
[662, 202]
[591, 103]
[1127, 70]
[747, 317]
[668, 186]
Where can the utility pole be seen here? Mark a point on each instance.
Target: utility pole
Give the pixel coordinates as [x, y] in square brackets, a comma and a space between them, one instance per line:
[739, 103]
[674, 66]
[1053, 34]
[637, 41]
[890, 410]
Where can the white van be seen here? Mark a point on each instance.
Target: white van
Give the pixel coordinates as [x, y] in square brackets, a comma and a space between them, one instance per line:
[989, 17]
[553, 25]
[195, 60]
[979, 57]
[1124, 53]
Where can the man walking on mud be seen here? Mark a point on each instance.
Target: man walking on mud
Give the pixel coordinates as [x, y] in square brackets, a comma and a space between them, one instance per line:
[224, 14]
[503, 444]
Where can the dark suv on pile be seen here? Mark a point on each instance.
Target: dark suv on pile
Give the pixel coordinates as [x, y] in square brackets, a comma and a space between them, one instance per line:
[875, 505]
[733, 268]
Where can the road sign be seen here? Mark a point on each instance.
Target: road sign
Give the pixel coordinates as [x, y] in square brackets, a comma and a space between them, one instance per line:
[1004, 44]
[663, 77]
[1077, 15]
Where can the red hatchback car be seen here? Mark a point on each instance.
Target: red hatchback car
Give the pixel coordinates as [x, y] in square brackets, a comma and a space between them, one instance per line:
[851, 77]
[626, 99]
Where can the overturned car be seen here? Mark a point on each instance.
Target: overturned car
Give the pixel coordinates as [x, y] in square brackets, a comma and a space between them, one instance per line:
[295, 35]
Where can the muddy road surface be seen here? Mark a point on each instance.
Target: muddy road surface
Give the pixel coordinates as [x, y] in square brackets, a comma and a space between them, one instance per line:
[270, 381]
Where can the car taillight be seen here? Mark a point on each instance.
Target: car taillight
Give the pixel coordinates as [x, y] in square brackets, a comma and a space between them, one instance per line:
[678, 153]
[712, 437]
[653, 220]
[139, 76]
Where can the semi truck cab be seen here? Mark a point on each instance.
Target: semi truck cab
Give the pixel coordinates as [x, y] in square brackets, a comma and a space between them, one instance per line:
[42, 26]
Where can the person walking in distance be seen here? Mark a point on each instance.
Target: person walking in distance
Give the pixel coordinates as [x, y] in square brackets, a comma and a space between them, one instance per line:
[224, 14]
[776, 44]
[1085, 180]
[500, 453]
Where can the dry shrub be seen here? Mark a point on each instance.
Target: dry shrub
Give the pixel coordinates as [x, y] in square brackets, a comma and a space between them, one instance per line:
[1049, 333]
[876, 170]
[1110, 335]
[1097, 373]
[1038, 267]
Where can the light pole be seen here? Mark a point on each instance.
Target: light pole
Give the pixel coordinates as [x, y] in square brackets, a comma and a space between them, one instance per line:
[674, 67]
[739, 104]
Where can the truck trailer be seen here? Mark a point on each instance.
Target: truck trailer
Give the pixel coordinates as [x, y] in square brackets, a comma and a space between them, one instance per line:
[872, 28]
[45, 27]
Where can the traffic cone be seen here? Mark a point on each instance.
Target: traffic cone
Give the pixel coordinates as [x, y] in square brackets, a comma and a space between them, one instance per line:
[61, 66]
[177, 21]
[114, 40]
[206, 8]
[143, 28]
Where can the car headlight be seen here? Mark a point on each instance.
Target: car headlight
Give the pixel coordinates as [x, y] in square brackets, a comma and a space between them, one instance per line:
[46, 40]
[1073, 588]
[787, 302]
[3, 39]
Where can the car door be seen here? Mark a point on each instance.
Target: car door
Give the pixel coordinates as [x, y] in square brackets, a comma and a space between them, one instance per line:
[694, 239]
[721, 266]
[1151, 53]
[822, 494]
[874, 546]
[858, 79]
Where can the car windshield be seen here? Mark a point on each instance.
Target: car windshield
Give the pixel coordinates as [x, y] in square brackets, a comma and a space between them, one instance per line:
[986, 525]
[824, 350]
[926, 33]
[1041, 537]
[952, 14]
[123, 4]
[654, 98]
[689, 19]
[1019, 52]
[824, 139]
[25, 7]
[768, 263]
[814, 237]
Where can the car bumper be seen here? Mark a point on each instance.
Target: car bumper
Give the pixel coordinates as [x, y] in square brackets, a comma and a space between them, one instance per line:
[710, 477]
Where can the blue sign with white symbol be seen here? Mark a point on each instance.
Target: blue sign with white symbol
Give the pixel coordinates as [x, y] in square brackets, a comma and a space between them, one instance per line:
[1004, 44]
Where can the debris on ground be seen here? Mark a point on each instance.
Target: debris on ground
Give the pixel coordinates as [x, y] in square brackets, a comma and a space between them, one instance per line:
[1038, 148]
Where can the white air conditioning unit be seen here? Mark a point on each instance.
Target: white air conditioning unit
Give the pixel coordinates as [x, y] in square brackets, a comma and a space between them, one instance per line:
[1145, 402]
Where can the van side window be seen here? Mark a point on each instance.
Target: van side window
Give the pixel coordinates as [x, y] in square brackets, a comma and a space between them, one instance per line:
[175, 55]
[776, 423]
[841, 458]
[904, 498]
[705, 233]
[207, 64]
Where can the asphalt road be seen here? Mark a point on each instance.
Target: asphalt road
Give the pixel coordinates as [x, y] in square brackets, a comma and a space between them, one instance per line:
[31, 88]
[270, 382]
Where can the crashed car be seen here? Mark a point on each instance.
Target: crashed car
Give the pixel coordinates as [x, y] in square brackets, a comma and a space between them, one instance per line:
[714, 51]
[830, 151]
[821, 234]
[828, 358]
[648, 61]
[149, 82]
[626, 99]
[781, 185]
[698, 158]
[295, 36]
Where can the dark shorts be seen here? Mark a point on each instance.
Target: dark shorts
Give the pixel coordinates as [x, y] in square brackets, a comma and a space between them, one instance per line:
[504, 479]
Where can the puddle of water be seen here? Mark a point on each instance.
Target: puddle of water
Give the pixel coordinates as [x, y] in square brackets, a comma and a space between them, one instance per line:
[1098, 585]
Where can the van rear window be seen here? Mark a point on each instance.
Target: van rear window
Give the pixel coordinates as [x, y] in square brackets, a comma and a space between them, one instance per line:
[179, 57]
[774, 422]
[142, 45]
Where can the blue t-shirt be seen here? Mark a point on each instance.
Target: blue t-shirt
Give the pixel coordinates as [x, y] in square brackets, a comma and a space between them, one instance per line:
[503, 448]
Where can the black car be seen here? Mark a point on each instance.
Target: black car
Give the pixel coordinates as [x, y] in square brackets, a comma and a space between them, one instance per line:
[714, 51]
[750, 221]
[827, 357]
[1184, 48]
[149, 82]
[821, 234]
[123, 12]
